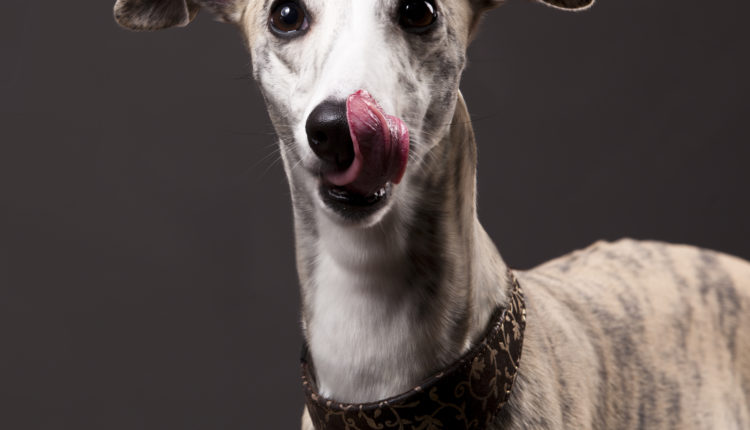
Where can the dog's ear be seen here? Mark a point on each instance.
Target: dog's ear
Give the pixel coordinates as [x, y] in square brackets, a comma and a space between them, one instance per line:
[144, 15]
[559, 4]
[482, 6]
[147, 15]
[569, 4]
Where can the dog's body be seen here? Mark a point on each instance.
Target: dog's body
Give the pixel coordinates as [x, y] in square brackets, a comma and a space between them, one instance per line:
[398, 277]
[635, 335]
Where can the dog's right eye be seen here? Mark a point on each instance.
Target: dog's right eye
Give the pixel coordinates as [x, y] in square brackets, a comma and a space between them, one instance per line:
[417, 16]
[288, 18]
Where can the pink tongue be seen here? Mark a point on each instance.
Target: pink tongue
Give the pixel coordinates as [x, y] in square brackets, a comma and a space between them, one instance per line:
[381, 147]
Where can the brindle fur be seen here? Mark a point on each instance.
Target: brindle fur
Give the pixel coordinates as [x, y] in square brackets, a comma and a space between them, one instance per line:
[639, 335]
[624, 335]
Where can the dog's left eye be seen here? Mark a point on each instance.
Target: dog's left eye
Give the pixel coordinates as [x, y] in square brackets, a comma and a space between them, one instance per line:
[287, 18]
[417, 16]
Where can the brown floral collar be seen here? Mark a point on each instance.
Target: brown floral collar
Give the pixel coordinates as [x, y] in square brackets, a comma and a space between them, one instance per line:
[466, 395]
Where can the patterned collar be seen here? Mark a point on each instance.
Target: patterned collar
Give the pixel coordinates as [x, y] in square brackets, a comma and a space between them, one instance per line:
[465, 395]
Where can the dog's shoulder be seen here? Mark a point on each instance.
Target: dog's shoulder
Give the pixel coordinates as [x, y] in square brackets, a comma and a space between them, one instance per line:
[659, 329]
[635, 262]
[633, 277]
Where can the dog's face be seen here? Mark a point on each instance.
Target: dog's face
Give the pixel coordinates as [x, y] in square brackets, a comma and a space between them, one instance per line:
[312, 57]
[359, 91]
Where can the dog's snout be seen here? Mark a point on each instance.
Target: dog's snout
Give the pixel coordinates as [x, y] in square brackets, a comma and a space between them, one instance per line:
[328, 135]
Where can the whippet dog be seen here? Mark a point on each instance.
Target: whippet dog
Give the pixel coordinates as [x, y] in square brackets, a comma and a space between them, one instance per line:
[399, 280]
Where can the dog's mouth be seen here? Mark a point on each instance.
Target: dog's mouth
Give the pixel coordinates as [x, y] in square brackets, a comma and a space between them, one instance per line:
[381, 151]
[352, 205]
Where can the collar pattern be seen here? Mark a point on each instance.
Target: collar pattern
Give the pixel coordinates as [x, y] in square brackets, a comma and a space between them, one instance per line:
[467, 395]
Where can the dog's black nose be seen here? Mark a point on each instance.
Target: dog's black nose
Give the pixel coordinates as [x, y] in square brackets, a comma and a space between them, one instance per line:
[328, 135]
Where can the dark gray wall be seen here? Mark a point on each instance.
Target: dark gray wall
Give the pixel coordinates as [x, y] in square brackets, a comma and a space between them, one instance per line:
[146, 259]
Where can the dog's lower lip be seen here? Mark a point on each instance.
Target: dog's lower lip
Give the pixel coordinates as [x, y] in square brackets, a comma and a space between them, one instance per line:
[351, 205]
[342, 195]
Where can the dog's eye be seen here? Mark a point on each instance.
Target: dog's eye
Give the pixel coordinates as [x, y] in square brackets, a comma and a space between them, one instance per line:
[287, 18]
[417, 16]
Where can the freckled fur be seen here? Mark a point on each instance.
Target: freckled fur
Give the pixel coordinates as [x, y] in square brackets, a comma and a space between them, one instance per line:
[626, 335]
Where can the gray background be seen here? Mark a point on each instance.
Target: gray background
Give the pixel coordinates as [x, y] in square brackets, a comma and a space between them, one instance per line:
[147, 277]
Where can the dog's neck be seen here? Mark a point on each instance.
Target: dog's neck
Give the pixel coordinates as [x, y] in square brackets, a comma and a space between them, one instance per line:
[386, 306]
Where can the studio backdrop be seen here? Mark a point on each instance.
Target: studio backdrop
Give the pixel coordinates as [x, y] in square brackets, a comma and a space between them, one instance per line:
[147, 273]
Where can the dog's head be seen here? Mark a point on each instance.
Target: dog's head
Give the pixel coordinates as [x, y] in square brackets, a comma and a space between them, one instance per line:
[358, 90]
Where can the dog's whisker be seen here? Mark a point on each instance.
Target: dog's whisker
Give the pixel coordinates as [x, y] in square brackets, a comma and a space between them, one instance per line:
[273, 153]
[270, 165]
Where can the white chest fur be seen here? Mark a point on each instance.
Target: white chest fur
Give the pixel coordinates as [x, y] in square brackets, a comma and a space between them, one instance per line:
[362, 329]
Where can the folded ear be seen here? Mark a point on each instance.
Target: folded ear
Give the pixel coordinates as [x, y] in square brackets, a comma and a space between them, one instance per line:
[569, 4]
[559, 4]
[146, 15]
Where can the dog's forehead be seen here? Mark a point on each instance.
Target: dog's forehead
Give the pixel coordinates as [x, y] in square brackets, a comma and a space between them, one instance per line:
[332, 10]
[255, 7]
[343, 4]
[332, 19]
